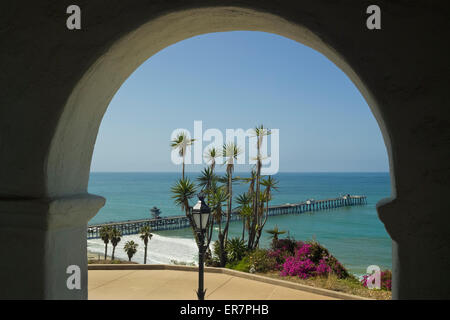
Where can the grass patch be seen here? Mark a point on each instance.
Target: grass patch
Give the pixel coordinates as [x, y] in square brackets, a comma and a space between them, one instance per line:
[350, 285]
[241, 265]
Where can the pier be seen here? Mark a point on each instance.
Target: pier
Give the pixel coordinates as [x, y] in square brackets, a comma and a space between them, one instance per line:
[179, 222]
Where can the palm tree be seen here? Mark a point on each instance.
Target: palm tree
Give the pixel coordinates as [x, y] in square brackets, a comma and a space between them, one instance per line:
[183, 191]
[206, 178]
[181, 143]
[275, 233]
[251, 218]
[230, 152]
[261, 220]
[251, 181]
[259, 132]
[218, 198]
[145, 236]
[156, 212]
[208, 183]
[211, 156]
[115, 239]
[245, 210]
[270, 184]
[130, 248]
[105, 233]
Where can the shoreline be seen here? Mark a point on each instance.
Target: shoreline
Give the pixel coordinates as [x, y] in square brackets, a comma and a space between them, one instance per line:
[161, 249]
[156, 257]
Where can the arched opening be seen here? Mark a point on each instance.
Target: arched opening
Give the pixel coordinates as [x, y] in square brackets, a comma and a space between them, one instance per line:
[179, 86]
[93, 93]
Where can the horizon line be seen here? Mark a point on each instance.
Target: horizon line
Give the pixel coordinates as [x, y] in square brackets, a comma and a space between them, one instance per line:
[241, 172]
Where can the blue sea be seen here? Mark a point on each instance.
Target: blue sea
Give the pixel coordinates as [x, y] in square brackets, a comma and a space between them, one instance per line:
[354, 235]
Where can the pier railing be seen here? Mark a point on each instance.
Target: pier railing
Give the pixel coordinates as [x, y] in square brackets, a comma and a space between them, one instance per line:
[179, 222]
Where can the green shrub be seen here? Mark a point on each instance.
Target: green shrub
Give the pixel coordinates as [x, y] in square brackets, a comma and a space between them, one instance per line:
[241, 265]
[317, 251]
[287, 244]
[236, 249]
[260, 261]
[214, 261]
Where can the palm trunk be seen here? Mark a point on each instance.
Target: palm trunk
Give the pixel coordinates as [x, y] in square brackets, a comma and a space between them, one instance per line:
[222, 256]
[191, 221]
[261, 226]
[230, 199]
[106, 250]
[183, 169]
[114, 249]
[211, 229]
[253, 230]
[145, 255]
[252, 221]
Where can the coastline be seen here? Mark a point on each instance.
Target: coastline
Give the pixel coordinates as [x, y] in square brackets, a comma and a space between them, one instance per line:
[161, 249]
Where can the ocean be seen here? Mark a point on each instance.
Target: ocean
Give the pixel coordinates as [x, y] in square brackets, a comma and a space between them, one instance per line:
[354, 235]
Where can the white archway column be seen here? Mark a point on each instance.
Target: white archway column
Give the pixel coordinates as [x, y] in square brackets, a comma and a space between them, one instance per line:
[420, 247]
[41, 238]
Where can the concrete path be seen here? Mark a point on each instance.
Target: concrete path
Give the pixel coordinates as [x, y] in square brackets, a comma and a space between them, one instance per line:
[181, 285]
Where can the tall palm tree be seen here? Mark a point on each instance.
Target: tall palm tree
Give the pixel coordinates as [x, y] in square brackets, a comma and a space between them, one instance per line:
[259, 132]
[205, 179]
[261, 218]
[230, 152]
[130, 248]
[181, 143]
[245, 210]
[211, 156]
[251, 181]
[218, 198]
[115, 239]
[208, 183]
[270, 184]
[182, 192]
[145, 236]
[105, 233]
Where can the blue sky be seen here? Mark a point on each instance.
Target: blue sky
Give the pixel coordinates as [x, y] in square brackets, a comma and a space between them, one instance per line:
[240, 80]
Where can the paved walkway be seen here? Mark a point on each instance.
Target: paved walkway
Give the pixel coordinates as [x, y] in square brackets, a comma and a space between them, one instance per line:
[181, 285]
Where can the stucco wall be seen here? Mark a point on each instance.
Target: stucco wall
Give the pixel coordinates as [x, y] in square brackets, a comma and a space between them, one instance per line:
[56, 85]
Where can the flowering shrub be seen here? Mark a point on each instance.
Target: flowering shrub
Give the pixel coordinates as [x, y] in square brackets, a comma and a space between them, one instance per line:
[309, 259]
[386, 280]
[260, 261]
[288, 245]
[323, 268]
[279, 257]
[283, 249]
[295, 267]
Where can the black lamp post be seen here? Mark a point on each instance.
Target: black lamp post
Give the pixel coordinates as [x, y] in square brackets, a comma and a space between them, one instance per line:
[200, 215]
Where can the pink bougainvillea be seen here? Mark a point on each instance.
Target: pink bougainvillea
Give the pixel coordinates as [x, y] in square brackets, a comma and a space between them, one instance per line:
[385, 277]
[308, 260]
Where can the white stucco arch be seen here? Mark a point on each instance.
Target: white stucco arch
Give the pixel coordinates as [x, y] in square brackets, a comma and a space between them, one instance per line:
[57, 84]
